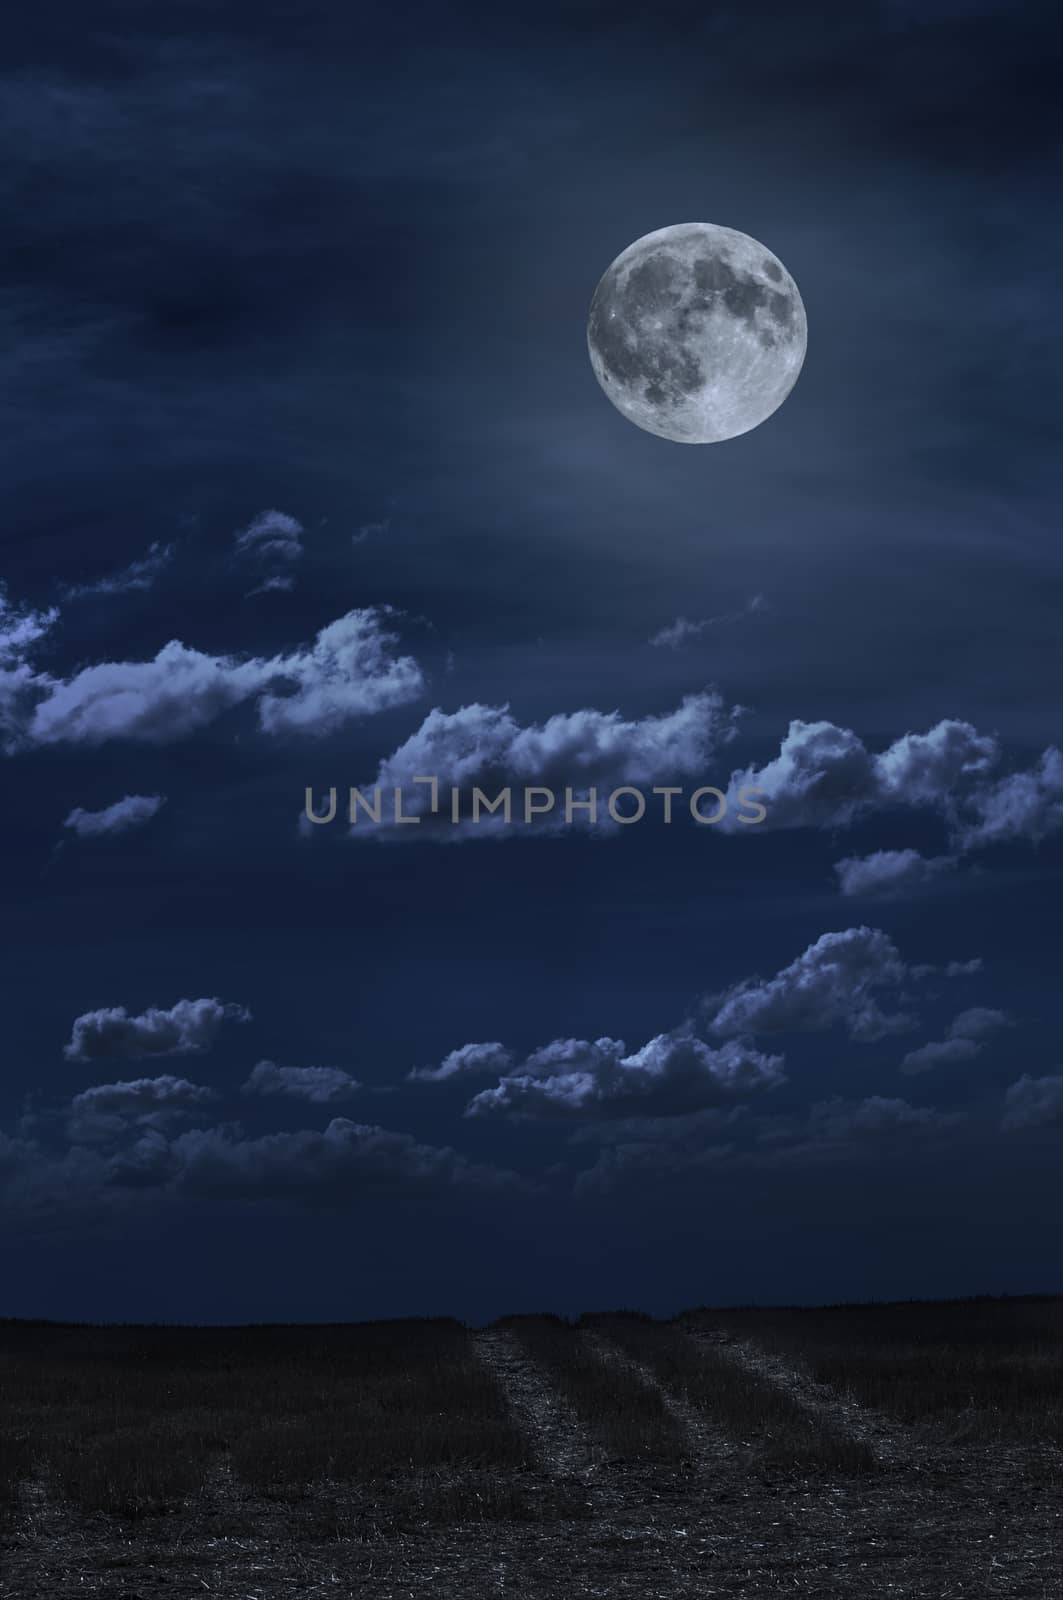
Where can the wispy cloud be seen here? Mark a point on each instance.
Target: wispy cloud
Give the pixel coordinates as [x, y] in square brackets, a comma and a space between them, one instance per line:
[278, 584]
[370, 530]
[137, 575]
[132, 811]
[271, 536]
[683, 630]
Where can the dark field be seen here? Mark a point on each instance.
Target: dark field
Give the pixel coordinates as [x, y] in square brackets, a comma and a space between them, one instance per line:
[908, 1449]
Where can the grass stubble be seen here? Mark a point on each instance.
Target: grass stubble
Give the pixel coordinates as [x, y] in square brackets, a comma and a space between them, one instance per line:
[391, 1453]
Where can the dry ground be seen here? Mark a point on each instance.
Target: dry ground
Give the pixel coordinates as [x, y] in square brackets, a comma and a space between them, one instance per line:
[903, 1452]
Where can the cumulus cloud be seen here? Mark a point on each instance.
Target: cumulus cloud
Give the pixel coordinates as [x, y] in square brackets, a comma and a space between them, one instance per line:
[188, 1028]
[672, 1073]
[931, 768]
[321, 1086]
[1034, 1103]
[682, 630]
[132, 811]
[108, 1112]
[824, 776]
[840, 979]
[485, 747]
[886, 873]
[833, 981]
[140, 574]
[966, 1038]
[349, 671]
[1025, 805]
[465, 1061]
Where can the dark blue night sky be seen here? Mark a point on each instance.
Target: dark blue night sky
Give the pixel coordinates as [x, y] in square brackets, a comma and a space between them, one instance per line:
[309, 482]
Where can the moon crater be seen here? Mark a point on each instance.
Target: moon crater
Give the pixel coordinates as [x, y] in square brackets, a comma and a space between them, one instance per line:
[697, 333]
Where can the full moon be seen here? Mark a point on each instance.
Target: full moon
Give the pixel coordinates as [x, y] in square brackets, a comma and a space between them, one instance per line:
[697, 333]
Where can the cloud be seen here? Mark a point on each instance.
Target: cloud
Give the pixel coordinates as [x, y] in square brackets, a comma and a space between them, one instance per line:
[831, 1132]
[929, 768]
[130, 812]
[1034, 1103]
[272, 586]
[649, 1147]
[21, 627]
[830, 982]
[127, 1139]
[370, 530]
[271, 536]
[188, 1028]
[847, 1130]
[825, 777]
[886, 873]
[822, 777]
[348, 672]
[468, 1059]
[977, 1022]
[939, 1053]
[966, 1038]
[682, 630]
[345, 1158]
[1026, 805]
[484, 746]
[672, 1073]
[321, 1086]
[36, 1183]
[834, 981]
[137, 575]
[107, 1112]
[156, 702]
[951, 969]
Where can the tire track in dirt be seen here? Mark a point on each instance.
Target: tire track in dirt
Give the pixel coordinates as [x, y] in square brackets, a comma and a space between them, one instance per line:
[562, 1446]
[891, 1444]
[708, 1450]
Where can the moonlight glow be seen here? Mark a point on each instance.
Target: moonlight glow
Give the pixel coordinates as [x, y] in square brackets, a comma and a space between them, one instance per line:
[697, 333]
